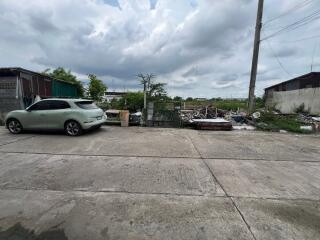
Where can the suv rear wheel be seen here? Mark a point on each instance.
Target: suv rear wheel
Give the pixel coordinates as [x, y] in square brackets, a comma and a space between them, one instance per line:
[14, 126]
[73, 128]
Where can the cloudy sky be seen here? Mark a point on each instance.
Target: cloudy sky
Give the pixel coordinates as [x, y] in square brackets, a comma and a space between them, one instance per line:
[200, 48]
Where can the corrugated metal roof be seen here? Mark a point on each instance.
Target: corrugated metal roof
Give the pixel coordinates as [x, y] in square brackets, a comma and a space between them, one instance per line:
[19, 69]
[306, 76]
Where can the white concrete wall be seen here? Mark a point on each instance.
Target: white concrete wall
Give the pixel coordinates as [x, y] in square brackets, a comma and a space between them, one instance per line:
[289, 101]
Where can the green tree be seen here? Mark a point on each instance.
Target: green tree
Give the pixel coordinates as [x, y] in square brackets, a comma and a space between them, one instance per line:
[189, 99]
[177, 99]
[155, 91]
[134, 101]
[260, 102]
[65, 75]
[118, 104]
[96, 88]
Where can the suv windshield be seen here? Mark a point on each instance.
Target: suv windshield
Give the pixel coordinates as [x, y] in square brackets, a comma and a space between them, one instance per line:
[86, 105]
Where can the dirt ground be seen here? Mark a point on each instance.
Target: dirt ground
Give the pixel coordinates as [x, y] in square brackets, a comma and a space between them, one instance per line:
[150, 183]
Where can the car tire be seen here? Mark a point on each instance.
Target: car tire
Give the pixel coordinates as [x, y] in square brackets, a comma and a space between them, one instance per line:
[14, 126]
[73, 128]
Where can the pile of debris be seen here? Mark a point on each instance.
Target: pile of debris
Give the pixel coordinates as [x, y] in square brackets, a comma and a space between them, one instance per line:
[311, 121]
[208, 112]
[135, 118]
[201, 113]
[211, 118]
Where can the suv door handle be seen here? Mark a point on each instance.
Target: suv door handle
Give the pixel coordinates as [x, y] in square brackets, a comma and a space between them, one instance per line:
[42, 115]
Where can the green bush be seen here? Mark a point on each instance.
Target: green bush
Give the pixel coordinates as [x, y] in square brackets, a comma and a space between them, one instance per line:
[274, 122]
[301, 109]
[219, 103]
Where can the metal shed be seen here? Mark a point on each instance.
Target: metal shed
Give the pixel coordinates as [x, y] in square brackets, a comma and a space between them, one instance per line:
[63, 89]
[19, 86]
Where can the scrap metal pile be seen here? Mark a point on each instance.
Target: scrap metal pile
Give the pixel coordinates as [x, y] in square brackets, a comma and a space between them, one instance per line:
[312, 121]
[202, 113]
[210, 118]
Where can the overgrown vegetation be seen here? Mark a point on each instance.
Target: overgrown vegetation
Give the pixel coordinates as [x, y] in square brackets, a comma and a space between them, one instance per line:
[302, 109]
[225, 104]
[230, 105]
[132, 101]
[274, 122]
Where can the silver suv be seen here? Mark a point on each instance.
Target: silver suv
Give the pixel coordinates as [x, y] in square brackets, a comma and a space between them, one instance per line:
[71, 115]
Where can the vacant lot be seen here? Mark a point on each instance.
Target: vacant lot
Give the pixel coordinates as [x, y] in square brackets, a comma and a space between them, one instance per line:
[140, 183]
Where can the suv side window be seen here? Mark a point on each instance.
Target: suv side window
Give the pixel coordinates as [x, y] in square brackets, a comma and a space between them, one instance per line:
[58, 104]
[43, 105]
[50, 105]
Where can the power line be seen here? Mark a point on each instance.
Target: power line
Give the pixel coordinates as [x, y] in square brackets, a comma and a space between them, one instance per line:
[277, 58]
[299, 23]
[291, 10]
[312, 17]
[313, 55]
[301, 39]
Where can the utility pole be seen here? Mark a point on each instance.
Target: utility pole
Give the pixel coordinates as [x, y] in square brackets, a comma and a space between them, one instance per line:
[144, 112]
[145, 94]
[255, 57]
[144, 81]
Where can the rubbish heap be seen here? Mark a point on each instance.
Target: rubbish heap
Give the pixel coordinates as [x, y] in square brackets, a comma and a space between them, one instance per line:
[211, 118]
[311, 121]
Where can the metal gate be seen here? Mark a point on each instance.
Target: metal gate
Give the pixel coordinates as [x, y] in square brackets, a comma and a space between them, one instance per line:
[164, 114]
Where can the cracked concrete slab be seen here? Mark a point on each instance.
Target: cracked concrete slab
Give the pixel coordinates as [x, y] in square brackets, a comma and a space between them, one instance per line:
[158, 187]
[257, 145]
[7, 138]
[281, 219]
[126, 174]
[266, 179]
[111, 141]
[117, 216]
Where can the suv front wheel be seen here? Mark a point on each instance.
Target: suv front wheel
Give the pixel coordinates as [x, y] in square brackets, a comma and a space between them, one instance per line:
[14, 126]
[73, 128]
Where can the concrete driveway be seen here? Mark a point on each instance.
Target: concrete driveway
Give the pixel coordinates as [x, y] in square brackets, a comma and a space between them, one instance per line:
[142, 183]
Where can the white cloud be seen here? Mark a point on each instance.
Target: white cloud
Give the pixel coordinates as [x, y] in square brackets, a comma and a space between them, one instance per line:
[198, 47]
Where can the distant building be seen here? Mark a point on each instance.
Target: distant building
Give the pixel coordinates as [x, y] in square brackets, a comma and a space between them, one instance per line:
[19, 88]
[200, 99]
[109, 96]
[292, 94]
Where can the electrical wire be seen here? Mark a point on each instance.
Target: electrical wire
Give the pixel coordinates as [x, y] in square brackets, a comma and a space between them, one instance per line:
[299, 23]
[301, 39]
[291, 10]
[277, 58]
[312, 17]
[313, 55]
